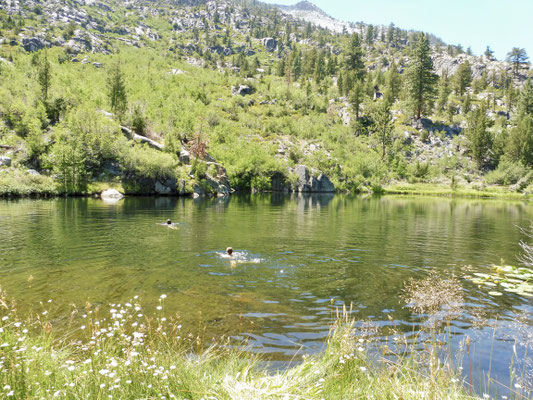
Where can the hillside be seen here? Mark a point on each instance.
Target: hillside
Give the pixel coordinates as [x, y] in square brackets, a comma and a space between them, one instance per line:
[181, 97]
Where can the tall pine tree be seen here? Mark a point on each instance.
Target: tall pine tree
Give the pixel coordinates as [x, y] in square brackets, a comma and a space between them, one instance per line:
[420, 79]
[116, 87]
[353, 61]
[462, 78]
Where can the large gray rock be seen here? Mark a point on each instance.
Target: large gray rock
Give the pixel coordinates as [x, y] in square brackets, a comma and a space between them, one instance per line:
[111, 194]
[219, 188]
[322, 184]
[241, 90]
[302, 184]
[310, 183]
[167, 187]
[5, 161]
[270, 44]
[184, 156]
[150, 142]
[33, 44]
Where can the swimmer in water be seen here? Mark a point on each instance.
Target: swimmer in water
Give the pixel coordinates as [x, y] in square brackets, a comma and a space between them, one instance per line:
[229, 251]
[169, 222]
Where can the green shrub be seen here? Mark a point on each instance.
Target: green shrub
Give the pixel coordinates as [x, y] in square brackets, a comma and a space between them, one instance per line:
[507, 173]
[148, 163]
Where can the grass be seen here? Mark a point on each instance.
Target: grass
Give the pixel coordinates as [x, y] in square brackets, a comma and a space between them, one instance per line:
[428, 189]
[124, 354]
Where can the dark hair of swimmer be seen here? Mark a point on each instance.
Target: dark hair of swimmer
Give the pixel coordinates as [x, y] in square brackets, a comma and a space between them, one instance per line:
[169, 222]
[229, 250]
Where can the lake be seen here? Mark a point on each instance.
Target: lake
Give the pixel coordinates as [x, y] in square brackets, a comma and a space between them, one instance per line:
[299, 259]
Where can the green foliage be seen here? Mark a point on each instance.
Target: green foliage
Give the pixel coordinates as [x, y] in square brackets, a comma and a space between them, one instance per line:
[525, 100]
[357, 97]
[383, 126]
[393, 83]
[145, 162]
[353, 60]
[116, 89]
[508, 173]
[462, 78]
[520, 142]
[479, 136]
[420, 79]
[517, 56]
[18, 183]
[138, 120]
[44, 75]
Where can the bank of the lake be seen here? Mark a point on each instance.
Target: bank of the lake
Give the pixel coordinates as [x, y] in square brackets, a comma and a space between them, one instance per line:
[21, 184]
[126, 355]
[474, 191]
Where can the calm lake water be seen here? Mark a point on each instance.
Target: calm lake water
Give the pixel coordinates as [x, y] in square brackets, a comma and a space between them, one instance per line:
[303, 257]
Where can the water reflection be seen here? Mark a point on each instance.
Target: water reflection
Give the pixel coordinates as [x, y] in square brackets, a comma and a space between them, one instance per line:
[316, 253]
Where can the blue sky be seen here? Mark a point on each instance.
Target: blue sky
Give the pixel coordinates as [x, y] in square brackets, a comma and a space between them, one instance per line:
[499, 24]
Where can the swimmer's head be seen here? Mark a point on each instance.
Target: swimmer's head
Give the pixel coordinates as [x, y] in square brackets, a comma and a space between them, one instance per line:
[229, 250]
[169, 222]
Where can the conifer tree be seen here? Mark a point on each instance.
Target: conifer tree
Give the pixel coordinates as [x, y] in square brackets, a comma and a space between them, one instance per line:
[444, 92]
[44, 75]
[369, 35]
[353, 61]
[467, 104]
[520, 141]
[462, 78]
[420, 79]
[116, 87]
[297, 65]
[517, 57]
[383, 126]
[320, 68]
[478, 136]
[525, 100]
[390, 33]
[356, 98]
[489, 53]
[393, 82]
[340, 84]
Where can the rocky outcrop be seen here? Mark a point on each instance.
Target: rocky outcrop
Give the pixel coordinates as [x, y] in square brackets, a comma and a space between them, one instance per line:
[33, 44]
[310, 183]
[242, 90]
[150, 142]
[306, 182]
[5, 161]
[169, 186]
[270, 44]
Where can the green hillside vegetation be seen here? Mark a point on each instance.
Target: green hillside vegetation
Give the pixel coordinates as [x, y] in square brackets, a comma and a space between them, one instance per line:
[367, 111]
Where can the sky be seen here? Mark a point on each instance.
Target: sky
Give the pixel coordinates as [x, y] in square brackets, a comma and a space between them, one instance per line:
[500, 24]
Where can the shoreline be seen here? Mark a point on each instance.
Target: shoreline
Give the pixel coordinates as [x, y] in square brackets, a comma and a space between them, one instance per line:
[400, 189]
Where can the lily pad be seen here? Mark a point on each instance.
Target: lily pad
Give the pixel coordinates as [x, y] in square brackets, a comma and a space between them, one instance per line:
[510, 279]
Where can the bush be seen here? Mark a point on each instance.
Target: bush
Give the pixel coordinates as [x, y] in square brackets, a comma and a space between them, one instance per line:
[149, 163]
[507, 173]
